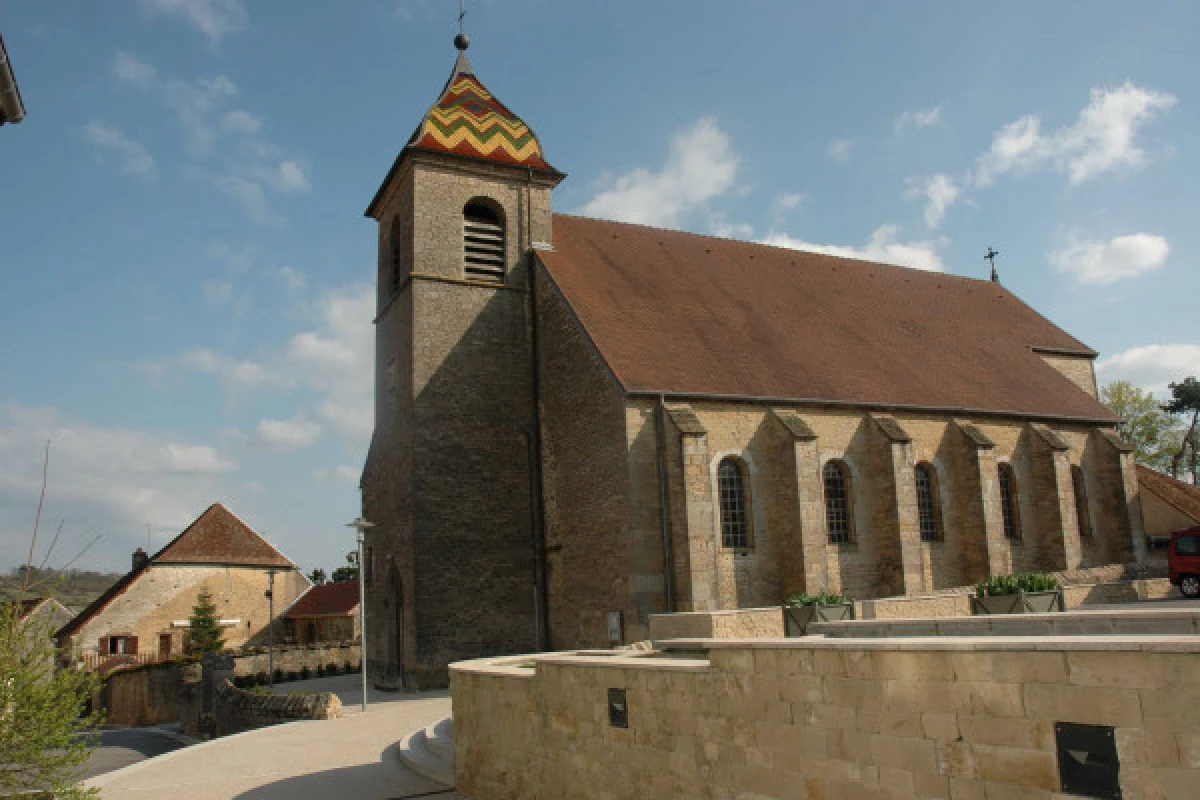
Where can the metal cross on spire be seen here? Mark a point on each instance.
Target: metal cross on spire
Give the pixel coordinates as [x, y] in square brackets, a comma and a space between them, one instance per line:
[462, 42]
[991, 256]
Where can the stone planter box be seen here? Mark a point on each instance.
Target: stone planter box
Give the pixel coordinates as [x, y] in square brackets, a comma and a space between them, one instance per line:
[1019, 603]
[796, 619]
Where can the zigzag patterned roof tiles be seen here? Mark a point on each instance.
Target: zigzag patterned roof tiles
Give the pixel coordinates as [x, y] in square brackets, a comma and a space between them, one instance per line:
[468, 120]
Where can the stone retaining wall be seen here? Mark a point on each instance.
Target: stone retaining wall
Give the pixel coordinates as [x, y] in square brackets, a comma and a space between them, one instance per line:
[293, 658]
[828, 718]
[1133, 622]
[236, 710]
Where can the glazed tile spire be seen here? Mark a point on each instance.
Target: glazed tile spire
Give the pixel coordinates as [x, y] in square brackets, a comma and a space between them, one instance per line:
[468, 120]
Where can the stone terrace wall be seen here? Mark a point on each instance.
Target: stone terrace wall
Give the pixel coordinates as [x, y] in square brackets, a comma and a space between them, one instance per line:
[236, 710]
[293, 658]
[823, 718]
[1133, 622]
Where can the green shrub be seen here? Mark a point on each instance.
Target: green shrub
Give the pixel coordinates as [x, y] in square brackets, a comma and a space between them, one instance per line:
[292, 675]
[262, 678]
[320, 670]
[998, 585]
[822, 599]
[331, 668]
[304, 673]
[348, 668]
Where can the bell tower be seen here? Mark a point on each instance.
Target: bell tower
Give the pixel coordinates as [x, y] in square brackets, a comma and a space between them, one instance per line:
[453, 566]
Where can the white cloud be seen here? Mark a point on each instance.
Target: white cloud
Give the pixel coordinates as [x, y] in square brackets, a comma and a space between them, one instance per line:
[918, 119]
[840, 150]
[135, 158]
[129, 69]
[292, 278]
[1104, 262]
[216, 19]
[882, 247]
[940, 192]
[217, 291]
[1102, 139]
[286, 435]
[1151, 367]
[335, 359]
[719, 225]
[785, 202]
[240, 121]
[196, 105]
[251, 198]
[288, 176]
[114, 481]
[701, 166]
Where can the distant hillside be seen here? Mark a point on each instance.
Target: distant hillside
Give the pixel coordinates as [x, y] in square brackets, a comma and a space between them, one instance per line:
[73, 588]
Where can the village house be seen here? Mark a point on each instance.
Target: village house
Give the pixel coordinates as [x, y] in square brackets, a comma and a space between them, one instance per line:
[1168, 505]
[146, 613]
[327, 612]
[579, 423]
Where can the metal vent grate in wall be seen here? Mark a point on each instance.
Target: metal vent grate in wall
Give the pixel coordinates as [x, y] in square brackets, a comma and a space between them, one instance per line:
[483, 244]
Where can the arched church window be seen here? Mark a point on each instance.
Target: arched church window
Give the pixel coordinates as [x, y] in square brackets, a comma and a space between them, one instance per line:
[483, 242]
[927, 503]
[731, 494]
[1082, 512]
[1008, 502]
[839, 515]
[395, 253]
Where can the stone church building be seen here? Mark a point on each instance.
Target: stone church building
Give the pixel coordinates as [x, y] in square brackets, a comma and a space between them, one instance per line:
[580, 423]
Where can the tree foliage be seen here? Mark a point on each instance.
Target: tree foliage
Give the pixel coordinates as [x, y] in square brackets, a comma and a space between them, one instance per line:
[349, 572]
[45, 734]
[317, 576]
[1185, 399]
[204, 628]
[1152, 431]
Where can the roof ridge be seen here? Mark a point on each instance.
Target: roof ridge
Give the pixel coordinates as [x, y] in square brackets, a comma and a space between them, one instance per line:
[750, 243]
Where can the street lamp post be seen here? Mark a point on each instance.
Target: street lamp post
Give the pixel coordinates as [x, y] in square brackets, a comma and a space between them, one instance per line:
[361, 526]
[270, 593]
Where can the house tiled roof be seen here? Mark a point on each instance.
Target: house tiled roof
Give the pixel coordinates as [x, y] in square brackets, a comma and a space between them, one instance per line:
[219, 537]
[328, 599]
[1183, 496]
[27, 607]
[696, 316]
[216, 537]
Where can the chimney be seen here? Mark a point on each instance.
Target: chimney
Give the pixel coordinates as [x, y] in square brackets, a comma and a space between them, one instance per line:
[140, 559]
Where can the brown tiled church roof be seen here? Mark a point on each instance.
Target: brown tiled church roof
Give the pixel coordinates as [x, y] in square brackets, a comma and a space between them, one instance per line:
[325, 600]
[1183, 496]
[215, 537]
[689, 315]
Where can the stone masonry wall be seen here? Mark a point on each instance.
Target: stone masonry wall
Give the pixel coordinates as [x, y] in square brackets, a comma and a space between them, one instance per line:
[236, 710]
[141, 695]
[886, 556]
[822, 718]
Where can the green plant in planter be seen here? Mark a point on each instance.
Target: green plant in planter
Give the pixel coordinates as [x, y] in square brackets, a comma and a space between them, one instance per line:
[822, 599]
[999, 585]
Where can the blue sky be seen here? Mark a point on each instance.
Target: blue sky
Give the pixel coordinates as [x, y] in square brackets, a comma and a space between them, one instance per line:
[185, 272]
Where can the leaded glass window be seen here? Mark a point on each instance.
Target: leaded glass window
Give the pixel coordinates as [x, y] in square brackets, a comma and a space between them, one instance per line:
[838, 512]
[1008, 502]
[927, 503]
[731, 491]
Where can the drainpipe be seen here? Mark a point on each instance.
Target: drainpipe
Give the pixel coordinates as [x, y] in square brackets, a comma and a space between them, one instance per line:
[664, 515]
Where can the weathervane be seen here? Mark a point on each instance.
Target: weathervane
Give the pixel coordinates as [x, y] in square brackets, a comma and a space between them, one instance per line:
[991, 256]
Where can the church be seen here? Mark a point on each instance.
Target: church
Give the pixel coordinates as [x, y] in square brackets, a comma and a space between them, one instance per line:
[579, 423]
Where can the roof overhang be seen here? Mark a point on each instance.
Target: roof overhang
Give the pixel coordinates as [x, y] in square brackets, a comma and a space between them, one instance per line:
[12, 108]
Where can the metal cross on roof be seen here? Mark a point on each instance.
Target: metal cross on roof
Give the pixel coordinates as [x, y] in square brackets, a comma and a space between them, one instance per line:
[991, 256]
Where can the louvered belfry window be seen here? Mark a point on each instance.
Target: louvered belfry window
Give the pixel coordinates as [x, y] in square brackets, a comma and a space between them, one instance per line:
[483, 244]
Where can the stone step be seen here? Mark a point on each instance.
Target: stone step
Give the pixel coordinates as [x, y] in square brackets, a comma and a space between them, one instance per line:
[439, 738]
[425, 753]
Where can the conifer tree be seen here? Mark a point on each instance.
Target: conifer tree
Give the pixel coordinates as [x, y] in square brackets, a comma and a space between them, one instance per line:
[204, 628]
[45, 734]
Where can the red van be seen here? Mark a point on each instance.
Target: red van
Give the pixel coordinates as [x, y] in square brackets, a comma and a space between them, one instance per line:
[1183, 559]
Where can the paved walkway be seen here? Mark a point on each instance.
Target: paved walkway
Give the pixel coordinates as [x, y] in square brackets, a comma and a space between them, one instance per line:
[120, 747]
[350, 757]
